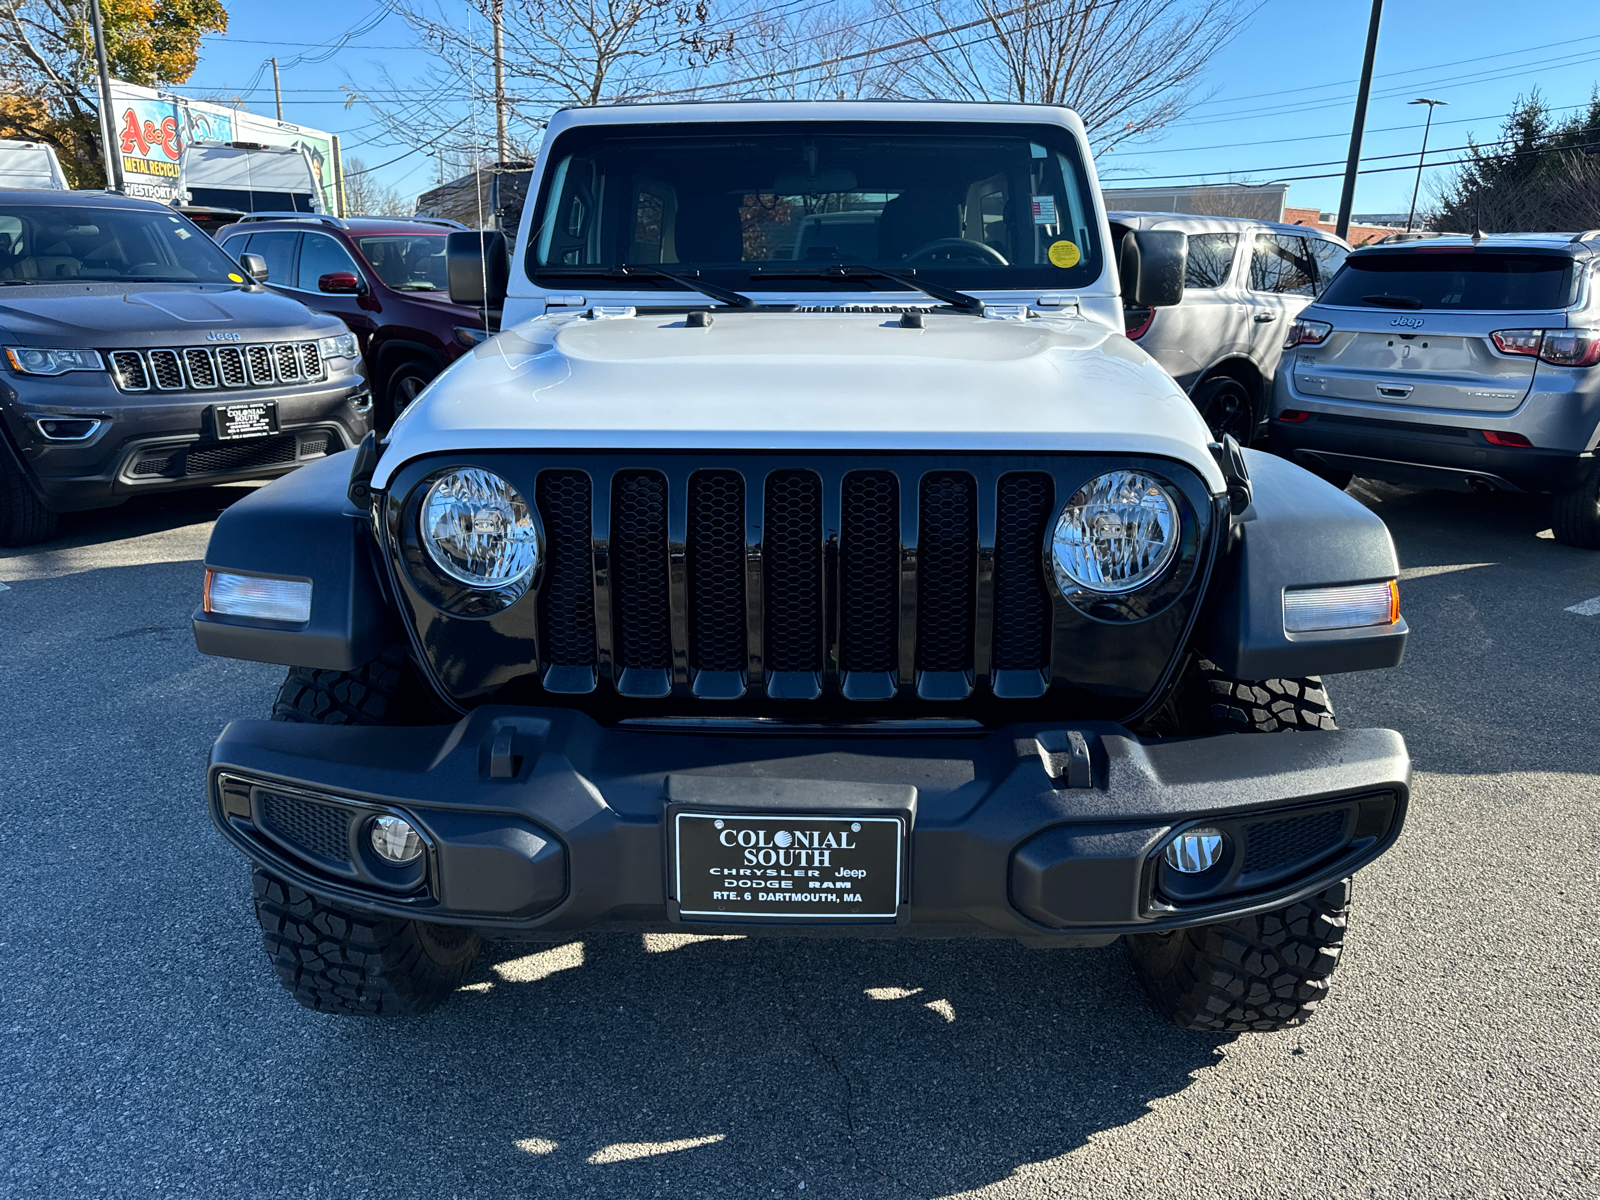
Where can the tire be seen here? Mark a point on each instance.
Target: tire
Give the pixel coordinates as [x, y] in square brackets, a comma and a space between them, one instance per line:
[405, 383]
[1226, 407]
[24, 519]
[1575, 513]
[338, 960]
[1254, 975]
[1265, 706]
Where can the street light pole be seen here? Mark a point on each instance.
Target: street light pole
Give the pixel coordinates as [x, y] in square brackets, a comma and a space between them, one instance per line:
[1427, 125]
[1347, 198]
[108, 116]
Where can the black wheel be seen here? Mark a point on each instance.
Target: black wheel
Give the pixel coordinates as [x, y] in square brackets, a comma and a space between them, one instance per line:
[335, 959]
[1575, 513]
[24, 519]
[1225, 405]
[405, 384]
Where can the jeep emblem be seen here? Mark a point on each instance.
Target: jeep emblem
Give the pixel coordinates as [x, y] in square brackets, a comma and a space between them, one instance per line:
[1408, 322]
[214, 336]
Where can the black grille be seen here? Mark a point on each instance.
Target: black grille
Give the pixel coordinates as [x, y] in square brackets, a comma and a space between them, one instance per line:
[1273, 844]
[715, 553]
[310, 361]
[155, 464]
[313, 445]
[230, 366]
[130, 372]
[639, 561]
[869, 571]
[201, 372]
[947, 550]
[793, 562]
[567, 600]
[322, 830]
[262, 452]
[164, 366]
[204, 368]
[259, 359]
[1021, 603]
[288, 361]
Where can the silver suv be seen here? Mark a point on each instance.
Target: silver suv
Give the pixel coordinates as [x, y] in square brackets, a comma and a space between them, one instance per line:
[1455, 362]
[1246, 282]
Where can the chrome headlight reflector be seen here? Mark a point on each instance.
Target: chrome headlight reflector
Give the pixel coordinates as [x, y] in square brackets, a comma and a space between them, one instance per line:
[340, 345]
[53, 362]
[478, 529]
[1117, 534]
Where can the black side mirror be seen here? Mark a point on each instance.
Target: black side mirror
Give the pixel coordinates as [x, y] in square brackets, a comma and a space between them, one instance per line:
[479, 265]
[1152, 265]
[254, 266]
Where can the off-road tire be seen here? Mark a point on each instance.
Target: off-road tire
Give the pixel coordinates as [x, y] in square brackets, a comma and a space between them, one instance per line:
[357, 964]
[1256, 974]
[1264, 706]
[1575, 513]
[1226, 406]
[386, 691]
[24, 519]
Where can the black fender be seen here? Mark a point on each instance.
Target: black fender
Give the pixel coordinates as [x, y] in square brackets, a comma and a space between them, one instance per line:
[1297, 532]
[304, 527]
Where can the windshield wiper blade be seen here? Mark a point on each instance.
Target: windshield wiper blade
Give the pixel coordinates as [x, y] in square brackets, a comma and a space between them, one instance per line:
[726, 295]
[1392, 301]
[938, 291]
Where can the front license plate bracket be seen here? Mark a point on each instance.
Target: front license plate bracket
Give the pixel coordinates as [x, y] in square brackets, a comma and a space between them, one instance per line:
[251, 419]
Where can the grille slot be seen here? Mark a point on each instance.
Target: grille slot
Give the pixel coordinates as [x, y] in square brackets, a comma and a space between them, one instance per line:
[202, 372]
[288, 361]
[1021, 601]
[1273, 844]
[715, 554]
[320, 830]
[869, 571]
[793, 565]
[165, 368]
[947, 554]
[260, 452]
[129, 368]
[154, 464]
[639, 565]
[259, 359]
[310, 361]
[567, 600]
[313, 445]
[230, 366]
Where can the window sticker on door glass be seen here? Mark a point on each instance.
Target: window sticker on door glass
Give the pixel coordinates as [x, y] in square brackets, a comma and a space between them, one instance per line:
[1044, 210]
[1064, 253]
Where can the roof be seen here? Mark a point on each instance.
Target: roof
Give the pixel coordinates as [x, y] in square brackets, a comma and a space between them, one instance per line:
[353, 225]
[707, 111]
[1202, 223]
[86, 198]
[1568, 243]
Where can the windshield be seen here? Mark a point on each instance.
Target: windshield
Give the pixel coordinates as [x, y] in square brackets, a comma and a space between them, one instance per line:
[48, 243]
[770, 205]
[408, 262]
[1472, 280]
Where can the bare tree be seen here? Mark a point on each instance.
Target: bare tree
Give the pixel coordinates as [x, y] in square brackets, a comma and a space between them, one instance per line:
[364, 196]
[819, 53]
[1127, 67]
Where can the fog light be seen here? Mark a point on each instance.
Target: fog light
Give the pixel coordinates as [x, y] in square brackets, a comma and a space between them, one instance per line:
[1195, 850]
[395, 840]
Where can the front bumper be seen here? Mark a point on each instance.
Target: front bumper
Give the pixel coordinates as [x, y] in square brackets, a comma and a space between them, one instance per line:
[540, 822]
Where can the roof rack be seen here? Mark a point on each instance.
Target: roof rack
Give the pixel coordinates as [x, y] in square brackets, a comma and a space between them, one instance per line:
[445, 221]
[1411, 235]
[316, 218]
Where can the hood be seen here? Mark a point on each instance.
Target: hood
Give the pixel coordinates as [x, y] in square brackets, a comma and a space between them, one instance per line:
[805, 381]
[110, 315]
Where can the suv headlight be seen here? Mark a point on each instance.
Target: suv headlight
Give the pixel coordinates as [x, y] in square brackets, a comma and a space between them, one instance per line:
[1116, 534]
[478, 530]
[53, 362]
[340, 345]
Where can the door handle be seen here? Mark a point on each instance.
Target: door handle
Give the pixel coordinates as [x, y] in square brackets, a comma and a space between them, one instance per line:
[1263, 318]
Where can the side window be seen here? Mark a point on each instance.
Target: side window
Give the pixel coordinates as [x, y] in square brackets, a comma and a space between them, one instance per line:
[1330, 257]
[1281, 263]
[278, 248]
[322, 255]
[1210, 259]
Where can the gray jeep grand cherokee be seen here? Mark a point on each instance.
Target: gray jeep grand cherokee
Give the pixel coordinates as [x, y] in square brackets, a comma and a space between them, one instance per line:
[138, 357]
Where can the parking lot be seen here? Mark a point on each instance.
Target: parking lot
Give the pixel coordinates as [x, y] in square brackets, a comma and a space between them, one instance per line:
[149, 1051]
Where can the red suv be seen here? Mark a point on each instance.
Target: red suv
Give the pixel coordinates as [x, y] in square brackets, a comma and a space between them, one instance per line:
[384, 277]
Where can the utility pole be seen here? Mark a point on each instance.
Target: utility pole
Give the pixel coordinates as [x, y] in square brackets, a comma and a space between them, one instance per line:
[1428, 124]
[108, 118]
[1347, 198]
[277, 89]
[499, 11]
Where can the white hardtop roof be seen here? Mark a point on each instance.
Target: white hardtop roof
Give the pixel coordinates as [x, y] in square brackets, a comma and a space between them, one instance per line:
[709, 111]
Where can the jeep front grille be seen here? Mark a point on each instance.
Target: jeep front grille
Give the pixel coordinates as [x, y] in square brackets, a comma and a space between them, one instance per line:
[207, 368]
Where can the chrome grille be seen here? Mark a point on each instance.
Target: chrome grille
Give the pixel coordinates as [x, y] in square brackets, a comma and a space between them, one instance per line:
[204, 368]
[127, 367]
[230, 366]
[260, 360]
[310, 361]
[202, 371]
[165, 369]
[288, 361]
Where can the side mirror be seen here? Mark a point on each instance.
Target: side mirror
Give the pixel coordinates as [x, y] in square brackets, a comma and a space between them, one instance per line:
[479, 265]
[1152, 266]
[254, 266]
[345, 283]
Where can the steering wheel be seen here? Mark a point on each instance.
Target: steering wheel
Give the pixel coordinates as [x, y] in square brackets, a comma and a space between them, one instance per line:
[953, 249]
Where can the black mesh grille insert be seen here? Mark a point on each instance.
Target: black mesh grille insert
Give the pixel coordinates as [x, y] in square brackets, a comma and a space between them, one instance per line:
[716, 570]
[947, 553]
[262, 452]
[157, 464]
[201, 373]
[1272, 844]
[1021, 603]
[310, 360]
[314, 828]
[130, 371]
[639, 566]
[869, 571]
[793, 562]
[313, 444]
[164, 366]
[230, 366]
[260, 358]
[288, 361]
[566, 603]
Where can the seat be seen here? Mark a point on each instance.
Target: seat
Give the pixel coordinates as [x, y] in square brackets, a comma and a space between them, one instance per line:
[913, 219]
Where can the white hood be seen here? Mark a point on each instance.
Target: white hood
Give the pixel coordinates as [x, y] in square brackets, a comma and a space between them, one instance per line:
[805, 381]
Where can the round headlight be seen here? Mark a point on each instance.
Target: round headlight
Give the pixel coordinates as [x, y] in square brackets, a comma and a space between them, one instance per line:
[478, 529]
[1116, 534]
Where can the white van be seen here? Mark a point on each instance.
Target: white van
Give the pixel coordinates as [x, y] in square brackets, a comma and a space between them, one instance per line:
[31, 165]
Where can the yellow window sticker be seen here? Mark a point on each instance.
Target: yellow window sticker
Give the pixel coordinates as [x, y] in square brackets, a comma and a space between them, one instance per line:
[1064, 253]
[235, 278]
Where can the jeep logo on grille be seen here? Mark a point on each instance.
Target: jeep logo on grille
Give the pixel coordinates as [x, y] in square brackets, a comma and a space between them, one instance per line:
[214, 336]
[1407, 322]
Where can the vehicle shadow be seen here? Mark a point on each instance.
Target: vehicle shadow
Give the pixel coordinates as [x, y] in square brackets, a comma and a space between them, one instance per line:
[140, 517]
[616, 1066]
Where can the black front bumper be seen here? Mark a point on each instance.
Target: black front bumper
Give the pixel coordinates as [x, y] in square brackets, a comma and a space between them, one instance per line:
[541, 822]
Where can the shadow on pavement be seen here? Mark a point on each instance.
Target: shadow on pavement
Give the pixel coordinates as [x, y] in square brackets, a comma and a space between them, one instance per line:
[142, 515]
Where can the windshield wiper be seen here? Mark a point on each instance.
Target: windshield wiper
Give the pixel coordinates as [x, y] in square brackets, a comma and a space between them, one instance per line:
[1392, 301]
[938, 291]
[726, 295]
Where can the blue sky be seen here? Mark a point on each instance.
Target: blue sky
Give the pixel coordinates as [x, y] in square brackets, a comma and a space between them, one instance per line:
[1279, 96]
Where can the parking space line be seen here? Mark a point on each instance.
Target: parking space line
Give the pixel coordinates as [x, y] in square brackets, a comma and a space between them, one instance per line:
[1589, 608]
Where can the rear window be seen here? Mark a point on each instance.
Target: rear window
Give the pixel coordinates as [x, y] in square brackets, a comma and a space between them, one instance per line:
[1470, 279]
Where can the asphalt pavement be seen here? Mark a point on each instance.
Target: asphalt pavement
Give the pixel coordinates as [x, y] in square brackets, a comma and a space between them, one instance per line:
[147, 1050]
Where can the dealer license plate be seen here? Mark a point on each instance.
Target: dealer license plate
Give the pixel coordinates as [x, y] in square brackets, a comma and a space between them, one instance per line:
[256, 419]
[787, 866]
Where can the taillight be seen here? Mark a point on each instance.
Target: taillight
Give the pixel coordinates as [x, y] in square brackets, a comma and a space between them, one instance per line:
[1558, 347]
[1307, 333]
[1294, 416]
[1136, 321]
[1496, 438]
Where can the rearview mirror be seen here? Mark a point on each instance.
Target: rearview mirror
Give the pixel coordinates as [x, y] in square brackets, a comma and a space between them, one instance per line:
[1152, 265]
[254, 266]
[479, 265]
[346, 283]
